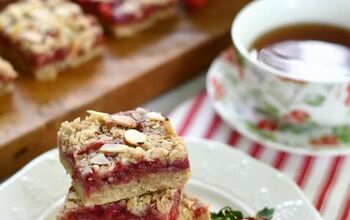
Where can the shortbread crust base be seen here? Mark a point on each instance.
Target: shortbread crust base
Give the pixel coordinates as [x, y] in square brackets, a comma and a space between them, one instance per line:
[50, 72]
[149, 183]
[129, 30]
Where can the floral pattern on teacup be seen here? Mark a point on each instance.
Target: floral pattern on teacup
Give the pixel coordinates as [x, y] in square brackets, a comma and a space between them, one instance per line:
[218, 88]
[325, 140]
[276, 96]
[232, 56]
[296, 117]
[262, 124]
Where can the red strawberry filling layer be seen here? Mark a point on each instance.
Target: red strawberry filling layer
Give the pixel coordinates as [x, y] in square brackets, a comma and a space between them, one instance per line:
[118, 211]
[108, 12]
[121, 174]
[124, 174]
[24, 58]
[199, 210]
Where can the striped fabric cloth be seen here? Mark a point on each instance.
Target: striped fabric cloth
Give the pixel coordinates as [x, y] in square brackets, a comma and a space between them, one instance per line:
[325, 180]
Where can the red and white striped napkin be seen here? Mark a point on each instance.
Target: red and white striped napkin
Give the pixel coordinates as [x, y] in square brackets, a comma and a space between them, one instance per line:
[325, 180]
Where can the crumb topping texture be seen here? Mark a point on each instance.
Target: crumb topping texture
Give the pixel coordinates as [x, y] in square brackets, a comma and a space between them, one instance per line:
[45, 26]
[161, 201]
[192, 208]
[101, 141]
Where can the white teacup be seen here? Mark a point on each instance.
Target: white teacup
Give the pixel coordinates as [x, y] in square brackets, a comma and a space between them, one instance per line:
[319, 99]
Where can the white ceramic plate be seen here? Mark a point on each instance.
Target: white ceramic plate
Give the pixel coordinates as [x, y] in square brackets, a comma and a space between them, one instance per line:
[221, 176]
[222, 81]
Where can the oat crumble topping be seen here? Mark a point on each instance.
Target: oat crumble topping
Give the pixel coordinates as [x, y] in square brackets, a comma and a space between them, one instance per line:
[149, 139]
[43, 26]
[189, 205]
[162, 201]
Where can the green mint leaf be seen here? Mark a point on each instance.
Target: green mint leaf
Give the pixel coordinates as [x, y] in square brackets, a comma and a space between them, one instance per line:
[227, 213]
[265, 213]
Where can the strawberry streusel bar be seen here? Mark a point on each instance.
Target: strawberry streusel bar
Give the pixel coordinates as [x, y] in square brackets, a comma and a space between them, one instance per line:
[7, 76]
[113, 157]
[193, 209]
[161, 205]
[126, 17]
[44, 37]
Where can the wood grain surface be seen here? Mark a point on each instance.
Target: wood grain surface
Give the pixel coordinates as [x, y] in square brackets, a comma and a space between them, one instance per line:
[130, 72]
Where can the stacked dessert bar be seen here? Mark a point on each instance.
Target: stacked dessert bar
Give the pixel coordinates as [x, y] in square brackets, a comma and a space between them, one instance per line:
[129, 165]
[124, 18]
[43, 37]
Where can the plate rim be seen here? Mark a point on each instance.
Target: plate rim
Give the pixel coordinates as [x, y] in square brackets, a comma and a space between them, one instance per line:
[287, 179]
[188, 141]
[25, 168]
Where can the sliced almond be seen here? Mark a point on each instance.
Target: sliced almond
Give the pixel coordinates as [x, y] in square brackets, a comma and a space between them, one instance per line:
[101, 115]
[155, 116]
[67, 10]
[124, 121]
[96, 168]
[141, 110]
[134, 137]
[164, 204]
[169, 127]
[114, 148]
[32, 36]
[73, 196]
[99, 159]
[15, 11]
[70, 205]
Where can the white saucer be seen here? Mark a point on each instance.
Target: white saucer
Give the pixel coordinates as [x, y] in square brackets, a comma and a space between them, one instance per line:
[221, 176]
[223, 78]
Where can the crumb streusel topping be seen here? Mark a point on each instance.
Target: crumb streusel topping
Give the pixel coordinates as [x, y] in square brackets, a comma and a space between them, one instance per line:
[191, 206]
[162, 201]
[123, 138]
[43, 26]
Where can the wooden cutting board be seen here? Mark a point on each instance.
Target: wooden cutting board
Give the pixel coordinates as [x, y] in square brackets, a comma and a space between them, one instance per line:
[130, 72]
